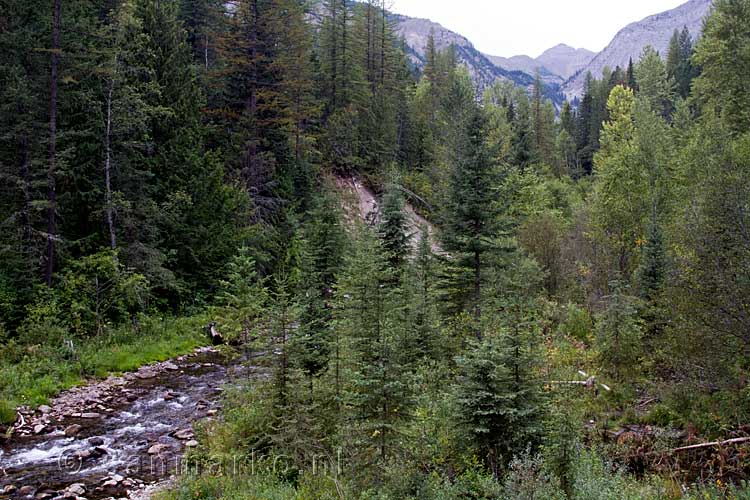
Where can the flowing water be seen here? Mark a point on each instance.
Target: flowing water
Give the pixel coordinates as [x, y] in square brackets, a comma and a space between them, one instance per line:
[149, 414]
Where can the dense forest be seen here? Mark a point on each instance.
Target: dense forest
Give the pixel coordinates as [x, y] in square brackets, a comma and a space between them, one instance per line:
[574, 315]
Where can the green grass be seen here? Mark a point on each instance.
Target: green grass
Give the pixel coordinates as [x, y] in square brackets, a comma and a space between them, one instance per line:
[31, 375]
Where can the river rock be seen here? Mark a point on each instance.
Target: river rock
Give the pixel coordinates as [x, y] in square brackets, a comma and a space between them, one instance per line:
[191, 444]
[145, 374]
[91, 416]
[100, 452]
[39, 428]
[8, 490]
[26, 491]
[157, 449]
[211, 413]
[170, 366]
[72, 430]
[44, 409]
[96, 441]
[184, 434]
[169, 396]
[75, 490]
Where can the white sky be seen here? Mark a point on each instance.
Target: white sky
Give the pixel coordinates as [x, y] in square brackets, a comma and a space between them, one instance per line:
[513, 27]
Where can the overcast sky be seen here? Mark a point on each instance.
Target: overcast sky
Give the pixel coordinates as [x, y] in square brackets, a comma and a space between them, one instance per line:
[512, 27]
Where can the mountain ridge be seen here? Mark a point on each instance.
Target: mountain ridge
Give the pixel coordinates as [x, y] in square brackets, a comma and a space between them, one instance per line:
[655, 30]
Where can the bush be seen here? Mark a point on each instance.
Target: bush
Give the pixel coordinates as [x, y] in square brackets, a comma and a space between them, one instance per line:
[578, 324]
[663, 416]
[529, 479]
[7, 412]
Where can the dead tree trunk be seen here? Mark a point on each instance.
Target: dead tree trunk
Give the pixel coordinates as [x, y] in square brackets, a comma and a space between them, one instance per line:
[52, 159]
[108, 166]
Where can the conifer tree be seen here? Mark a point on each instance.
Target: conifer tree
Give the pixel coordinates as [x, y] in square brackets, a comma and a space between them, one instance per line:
[524, 150]
[23, 119]
[499, 394]
[393, 228]
[498, 398]
[542, 124]
[632, 83]
[242, 297]
[654, 84]
[724, 62]
[679, 65]
[371, 317]
[583, 127]
[323, 252]
[470, 220]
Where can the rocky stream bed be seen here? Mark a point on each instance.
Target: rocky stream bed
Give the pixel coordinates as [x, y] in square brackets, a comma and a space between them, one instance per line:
[115, 438]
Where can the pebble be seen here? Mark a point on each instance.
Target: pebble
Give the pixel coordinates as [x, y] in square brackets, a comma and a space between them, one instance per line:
[170, 366]
[39, 428]
[8, 490]
[26, 491]
[44, 409]
[91, 415]
[192, 443]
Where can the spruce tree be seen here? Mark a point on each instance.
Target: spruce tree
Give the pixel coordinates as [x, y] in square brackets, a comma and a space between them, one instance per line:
[371, 318]
[498, 399]
[323, 251]
[470, 220]
[393, 228]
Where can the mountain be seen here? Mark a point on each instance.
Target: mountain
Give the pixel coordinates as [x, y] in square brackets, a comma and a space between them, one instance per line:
[654, 30]
[416, 33]
[564, 60]
[481, 67]
[527, 65]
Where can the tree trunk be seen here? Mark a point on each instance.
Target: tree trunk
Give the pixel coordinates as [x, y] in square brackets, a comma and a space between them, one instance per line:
[205, 51]
[108, 167]
[52, 167]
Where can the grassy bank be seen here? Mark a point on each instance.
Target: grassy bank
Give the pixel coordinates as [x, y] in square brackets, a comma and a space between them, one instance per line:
[30, 375]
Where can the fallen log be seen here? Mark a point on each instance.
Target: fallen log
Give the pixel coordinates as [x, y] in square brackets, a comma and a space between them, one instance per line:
[692, 447]
[712, 444]
[589, 383]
